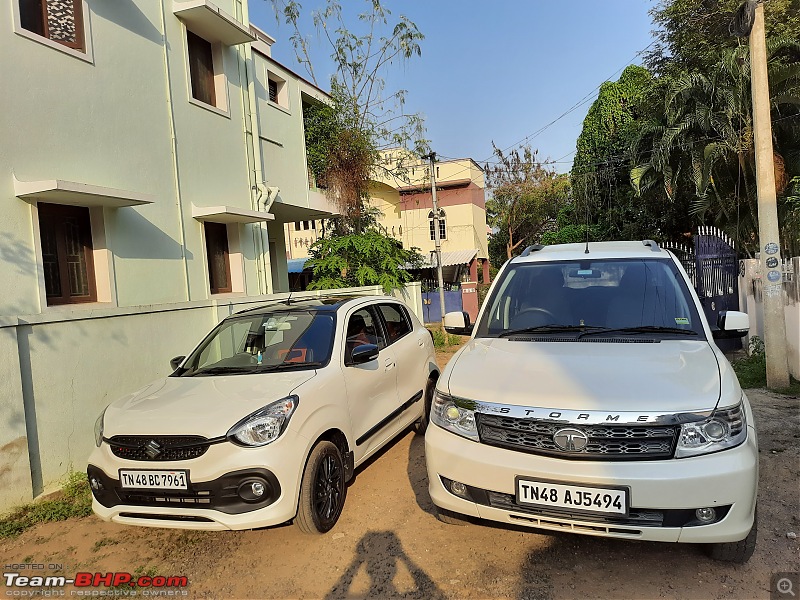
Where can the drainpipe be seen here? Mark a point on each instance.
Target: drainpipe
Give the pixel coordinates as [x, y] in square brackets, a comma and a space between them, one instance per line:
[174, 144]
[254, 167]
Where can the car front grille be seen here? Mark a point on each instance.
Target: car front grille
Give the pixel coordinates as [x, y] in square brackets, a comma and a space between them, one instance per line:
[606, 442]
[172, 447]
[165, 498]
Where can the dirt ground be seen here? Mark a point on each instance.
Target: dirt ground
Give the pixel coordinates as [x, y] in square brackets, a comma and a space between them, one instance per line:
[389, 544]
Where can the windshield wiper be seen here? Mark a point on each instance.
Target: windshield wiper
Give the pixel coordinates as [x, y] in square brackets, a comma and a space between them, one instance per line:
[641, 329]
[289, 365]
[224, 370]
[550, 329]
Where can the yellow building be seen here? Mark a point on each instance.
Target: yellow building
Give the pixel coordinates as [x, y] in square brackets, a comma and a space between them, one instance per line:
[402, 194]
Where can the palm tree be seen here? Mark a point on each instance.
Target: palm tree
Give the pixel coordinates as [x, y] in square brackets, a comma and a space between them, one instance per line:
[700, 141]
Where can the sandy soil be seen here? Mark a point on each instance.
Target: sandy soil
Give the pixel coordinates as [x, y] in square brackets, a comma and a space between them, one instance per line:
[388, 544]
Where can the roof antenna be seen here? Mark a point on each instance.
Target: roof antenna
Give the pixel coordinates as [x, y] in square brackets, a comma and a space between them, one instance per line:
[587, 228]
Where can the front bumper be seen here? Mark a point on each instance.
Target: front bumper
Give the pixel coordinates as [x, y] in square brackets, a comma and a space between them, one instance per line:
[726, 481]
[212, 501]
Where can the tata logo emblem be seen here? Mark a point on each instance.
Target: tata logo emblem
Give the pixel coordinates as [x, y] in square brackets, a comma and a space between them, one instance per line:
[153, 449]
[570, 440]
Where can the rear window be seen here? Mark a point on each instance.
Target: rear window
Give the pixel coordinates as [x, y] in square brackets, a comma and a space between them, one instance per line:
[396, 320]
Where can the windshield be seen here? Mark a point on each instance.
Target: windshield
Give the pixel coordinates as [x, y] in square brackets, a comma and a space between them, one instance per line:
[298, 339]
[633, 296]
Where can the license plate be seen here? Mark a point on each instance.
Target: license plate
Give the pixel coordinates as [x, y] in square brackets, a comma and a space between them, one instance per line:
[546, 494]
[154, 480]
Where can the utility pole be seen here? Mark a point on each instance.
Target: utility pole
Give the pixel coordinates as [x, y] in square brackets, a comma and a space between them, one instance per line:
[437, 239]
[768, 233]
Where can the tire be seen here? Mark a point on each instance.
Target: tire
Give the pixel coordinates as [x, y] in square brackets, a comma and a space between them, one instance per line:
[451, 518]
[322, 491]
[736, 552]
[421, 424]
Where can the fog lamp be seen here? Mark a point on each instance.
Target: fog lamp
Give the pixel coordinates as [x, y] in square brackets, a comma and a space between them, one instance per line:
[258, 489]
[459, 489]
[95, 483]
[706, 515]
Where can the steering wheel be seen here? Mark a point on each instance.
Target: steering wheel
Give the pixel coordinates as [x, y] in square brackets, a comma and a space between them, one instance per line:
[524, 318]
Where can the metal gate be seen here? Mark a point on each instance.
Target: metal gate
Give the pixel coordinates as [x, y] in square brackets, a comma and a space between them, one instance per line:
[712, 265]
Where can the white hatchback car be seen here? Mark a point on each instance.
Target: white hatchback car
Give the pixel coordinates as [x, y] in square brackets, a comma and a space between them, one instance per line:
[266, 420]
[593, 399]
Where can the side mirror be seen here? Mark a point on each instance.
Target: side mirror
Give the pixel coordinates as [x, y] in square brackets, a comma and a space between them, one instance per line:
[364, 353]
[732, 324]
[458, 323]
[176, 362]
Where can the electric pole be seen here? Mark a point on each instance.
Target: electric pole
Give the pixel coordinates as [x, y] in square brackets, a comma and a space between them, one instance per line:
[437, 239]
[768, 233]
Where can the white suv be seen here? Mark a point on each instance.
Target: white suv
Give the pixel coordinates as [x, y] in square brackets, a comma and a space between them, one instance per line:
[592, 398]
[266, 420]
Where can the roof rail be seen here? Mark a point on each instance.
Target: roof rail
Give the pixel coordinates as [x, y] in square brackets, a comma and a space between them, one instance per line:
[652, 245]
[533, 248]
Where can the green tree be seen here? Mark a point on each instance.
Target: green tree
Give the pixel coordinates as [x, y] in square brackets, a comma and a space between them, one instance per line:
[368, 258]
[601, 169]
[691, 34]
[362, 119]
[345, 136]
[526, 196]
[699, 142]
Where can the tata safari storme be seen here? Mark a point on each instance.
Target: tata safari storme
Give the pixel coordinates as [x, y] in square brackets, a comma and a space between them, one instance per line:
[592, 398]
[266, 420]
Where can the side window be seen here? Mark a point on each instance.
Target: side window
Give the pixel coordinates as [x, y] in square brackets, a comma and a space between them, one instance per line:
[396, 320]
[57, 20]
[362, 328]
[67, 254]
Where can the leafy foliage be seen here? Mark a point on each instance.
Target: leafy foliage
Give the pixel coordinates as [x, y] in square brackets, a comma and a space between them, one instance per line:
[526, 196]
[662, 153]
[368, 258]
[75, 500]
[691, 34]
[345, 138]
[752, 370]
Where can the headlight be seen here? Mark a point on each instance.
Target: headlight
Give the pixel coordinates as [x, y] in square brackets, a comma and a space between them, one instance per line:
[726, 428]
[98, 428]
[454, 415]
[265, 425]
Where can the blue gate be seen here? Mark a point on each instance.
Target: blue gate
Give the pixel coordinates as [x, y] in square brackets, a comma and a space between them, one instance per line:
[431, 306]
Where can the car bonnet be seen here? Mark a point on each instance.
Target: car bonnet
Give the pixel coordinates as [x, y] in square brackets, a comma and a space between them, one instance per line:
[206, 406]
[667, 377]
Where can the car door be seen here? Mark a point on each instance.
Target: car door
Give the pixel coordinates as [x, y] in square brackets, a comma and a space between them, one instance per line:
[408, 345]
[371, 386]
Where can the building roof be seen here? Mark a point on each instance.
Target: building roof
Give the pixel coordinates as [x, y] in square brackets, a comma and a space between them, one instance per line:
[296, 265]
[449, 259]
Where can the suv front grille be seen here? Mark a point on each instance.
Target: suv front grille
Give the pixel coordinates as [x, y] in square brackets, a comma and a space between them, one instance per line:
[173, 447]
[606, 442]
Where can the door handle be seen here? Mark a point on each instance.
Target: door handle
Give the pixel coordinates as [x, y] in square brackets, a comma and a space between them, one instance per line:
[420, 342]
[389, 364]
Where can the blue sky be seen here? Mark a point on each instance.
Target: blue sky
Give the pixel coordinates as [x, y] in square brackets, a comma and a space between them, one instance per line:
[497, 70]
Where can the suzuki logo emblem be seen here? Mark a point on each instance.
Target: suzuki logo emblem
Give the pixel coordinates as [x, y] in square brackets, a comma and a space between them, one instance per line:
[153, 449]
[570, 440]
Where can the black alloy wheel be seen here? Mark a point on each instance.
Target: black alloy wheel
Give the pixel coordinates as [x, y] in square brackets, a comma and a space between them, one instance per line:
[323, 490]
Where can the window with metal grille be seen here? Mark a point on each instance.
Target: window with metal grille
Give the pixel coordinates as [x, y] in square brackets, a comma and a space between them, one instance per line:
[66, 237]
[58, 20]
[219, 266]
[442, 225]
[273, 90]
[201, 68]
